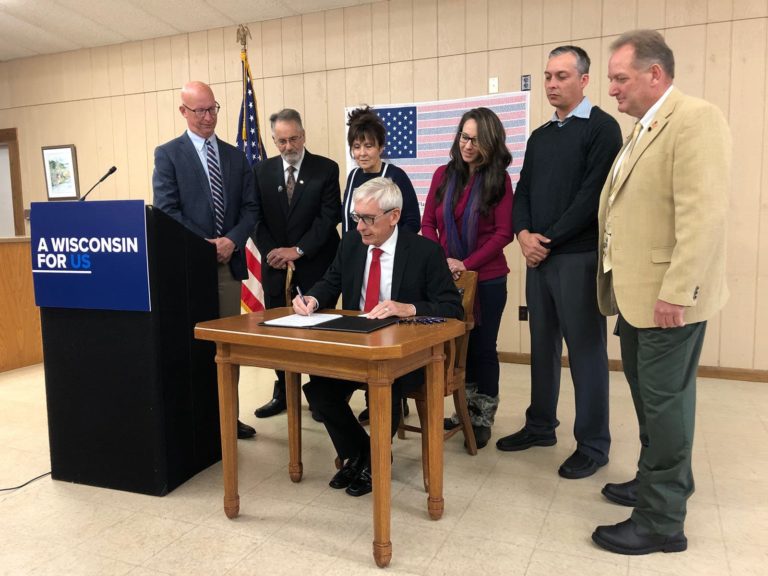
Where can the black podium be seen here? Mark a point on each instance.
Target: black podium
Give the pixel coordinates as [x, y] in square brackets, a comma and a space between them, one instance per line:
[132, 396]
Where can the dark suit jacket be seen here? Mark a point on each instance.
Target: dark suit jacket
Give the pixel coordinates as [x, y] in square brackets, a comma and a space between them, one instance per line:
[182, 190]
[309, 222]
[420, 276]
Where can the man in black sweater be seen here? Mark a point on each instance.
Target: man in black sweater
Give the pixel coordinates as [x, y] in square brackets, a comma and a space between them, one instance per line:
[555, 219]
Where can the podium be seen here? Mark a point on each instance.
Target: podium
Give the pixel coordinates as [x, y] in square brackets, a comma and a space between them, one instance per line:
[132, 396]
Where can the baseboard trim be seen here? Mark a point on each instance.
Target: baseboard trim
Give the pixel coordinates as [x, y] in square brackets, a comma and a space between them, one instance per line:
[743, 374]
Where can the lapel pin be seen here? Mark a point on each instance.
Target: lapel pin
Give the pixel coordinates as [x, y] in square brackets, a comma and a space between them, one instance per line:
[301, 181]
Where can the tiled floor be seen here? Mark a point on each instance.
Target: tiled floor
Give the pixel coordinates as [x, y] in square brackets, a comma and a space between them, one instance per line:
[506, 514]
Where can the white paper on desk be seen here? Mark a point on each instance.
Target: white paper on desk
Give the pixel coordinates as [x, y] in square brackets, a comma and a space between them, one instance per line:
[299, 321]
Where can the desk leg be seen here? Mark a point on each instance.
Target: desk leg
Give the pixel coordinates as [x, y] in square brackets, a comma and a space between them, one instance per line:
[380, 410]
[293, 403]
[435, 384]
[227, 375]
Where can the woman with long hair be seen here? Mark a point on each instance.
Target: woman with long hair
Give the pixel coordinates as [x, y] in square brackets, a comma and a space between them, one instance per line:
[469, 212]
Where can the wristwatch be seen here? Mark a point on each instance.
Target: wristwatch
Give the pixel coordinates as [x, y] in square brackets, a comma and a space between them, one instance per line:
[299, 251]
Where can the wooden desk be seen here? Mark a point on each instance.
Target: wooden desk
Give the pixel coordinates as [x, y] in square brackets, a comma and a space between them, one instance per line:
[377, 359]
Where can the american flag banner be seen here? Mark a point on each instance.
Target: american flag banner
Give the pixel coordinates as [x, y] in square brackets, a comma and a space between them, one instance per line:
[250, 142]
[420, 135]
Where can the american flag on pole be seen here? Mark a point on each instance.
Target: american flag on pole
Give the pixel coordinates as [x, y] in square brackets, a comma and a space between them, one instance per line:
[420, 135]
[249, 141]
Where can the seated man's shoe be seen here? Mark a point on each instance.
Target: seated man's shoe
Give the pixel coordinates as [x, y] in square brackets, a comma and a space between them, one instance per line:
[578, 465]
[624, 493]
[523, 439]
[406, 408]
[274, 406]
[629, 538]
[482, 435]
[271, 408]
[349, 471]
[362, 484]
[244, 431]
[449, 424]
[363, 417]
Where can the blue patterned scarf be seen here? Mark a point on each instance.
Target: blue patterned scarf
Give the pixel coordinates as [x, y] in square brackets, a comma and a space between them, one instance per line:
[462, 244]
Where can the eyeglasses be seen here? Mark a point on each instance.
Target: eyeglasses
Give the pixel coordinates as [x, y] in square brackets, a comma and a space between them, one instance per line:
[464, 138]
[283, 141]
[201, 112]
[367, 220]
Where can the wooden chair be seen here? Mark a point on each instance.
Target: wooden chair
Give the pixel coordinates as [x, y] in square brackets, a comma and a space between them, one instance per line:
[455, 378]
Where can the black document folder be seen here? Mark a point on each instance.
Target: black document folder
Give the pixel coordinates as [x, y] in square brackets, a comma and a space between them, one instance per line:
[355, 324]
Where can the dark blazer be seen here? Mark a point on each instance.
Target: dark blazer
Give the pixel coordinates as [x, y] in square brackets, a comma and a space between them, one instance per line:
[182, 190]
[309, 222]
[420, 276]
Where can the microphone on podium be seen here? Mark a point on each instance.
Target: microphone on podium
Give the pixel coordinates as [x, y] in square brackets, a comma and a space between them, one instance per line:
[107, 175]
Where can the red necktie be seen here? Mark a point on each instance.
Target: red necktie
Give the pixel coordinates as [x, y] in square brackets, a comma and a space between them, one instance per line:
[374, 281]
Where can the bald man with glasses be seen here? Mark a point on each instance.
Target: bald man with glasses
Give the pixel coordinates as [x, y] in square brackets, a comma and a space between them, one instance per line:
[207, 185]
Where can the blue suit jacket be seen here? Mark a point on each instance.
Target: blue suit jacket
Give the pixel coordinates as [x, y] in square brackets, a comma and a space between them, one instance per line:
[182, 190]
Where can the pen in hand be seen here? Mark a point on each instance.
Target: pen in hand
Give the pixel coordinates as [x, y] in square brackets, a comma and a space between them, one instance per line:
[304, 300]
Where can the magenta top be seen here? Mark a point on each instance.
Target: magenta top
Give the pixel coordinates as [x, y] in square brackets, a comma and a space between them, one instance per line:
[494, 231]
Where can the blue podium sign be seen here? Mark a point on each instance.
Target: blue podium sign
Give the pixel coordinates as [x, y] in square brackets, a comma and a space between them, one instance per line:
[90, 255]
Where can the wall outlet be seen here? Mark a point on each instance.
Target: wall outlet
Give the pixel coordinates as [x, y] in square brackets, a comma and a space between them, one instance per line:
[493, 85]
[522, 313]
[525, 82]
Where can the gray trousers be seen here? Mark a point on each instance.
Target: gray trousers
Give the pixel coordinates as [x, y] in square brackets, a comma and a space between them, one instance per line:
[561, 294]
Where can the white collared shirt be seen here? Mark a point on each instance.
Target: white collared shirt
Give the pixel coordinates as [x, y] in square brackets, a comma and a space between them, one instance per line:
[199, 143]
[644, 122]
[647, 120]
[387, 263]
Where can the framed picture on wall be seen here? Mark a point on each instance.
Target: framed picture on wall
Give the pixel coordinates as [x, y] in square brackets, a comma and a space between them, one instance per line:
[60, 165]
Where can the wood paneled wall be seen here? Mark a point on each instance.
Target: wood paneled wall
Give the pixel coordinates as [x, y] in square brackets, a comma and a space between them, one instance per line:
[116, 103]
[20, 338]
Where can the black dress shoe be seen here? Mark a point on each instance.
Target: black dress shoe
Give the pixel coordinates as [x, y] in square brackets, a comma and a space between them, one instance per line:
[522, 440]
[348, 472]
[245, 431]
[362, 484]
[363, 417]
[449, 424]
[629, 538]
[271, 408]
[624, 493]
[578, 465]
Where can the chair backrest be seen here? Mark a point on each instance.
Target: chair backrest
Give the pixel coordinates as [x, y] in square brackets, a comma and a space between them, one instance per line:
[456, 350]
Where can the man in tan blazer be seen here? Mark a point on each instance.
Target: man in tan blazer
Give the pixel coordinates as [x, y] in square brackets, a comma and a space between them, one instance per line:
[662, 225]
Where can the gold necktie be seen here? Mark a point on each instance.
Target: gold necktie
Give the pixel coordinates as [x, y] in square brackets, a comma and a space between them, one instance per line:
[623, 161]
[628, 153]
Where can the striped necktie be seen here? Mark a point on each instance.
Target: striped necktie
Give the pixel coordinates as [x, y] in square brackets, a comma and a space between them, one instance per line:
[217, 187]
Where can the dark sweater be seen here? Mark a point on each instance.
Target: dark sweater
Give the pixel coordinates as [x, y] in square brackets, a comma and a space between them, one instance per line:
[410, 215]
[563, 173]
